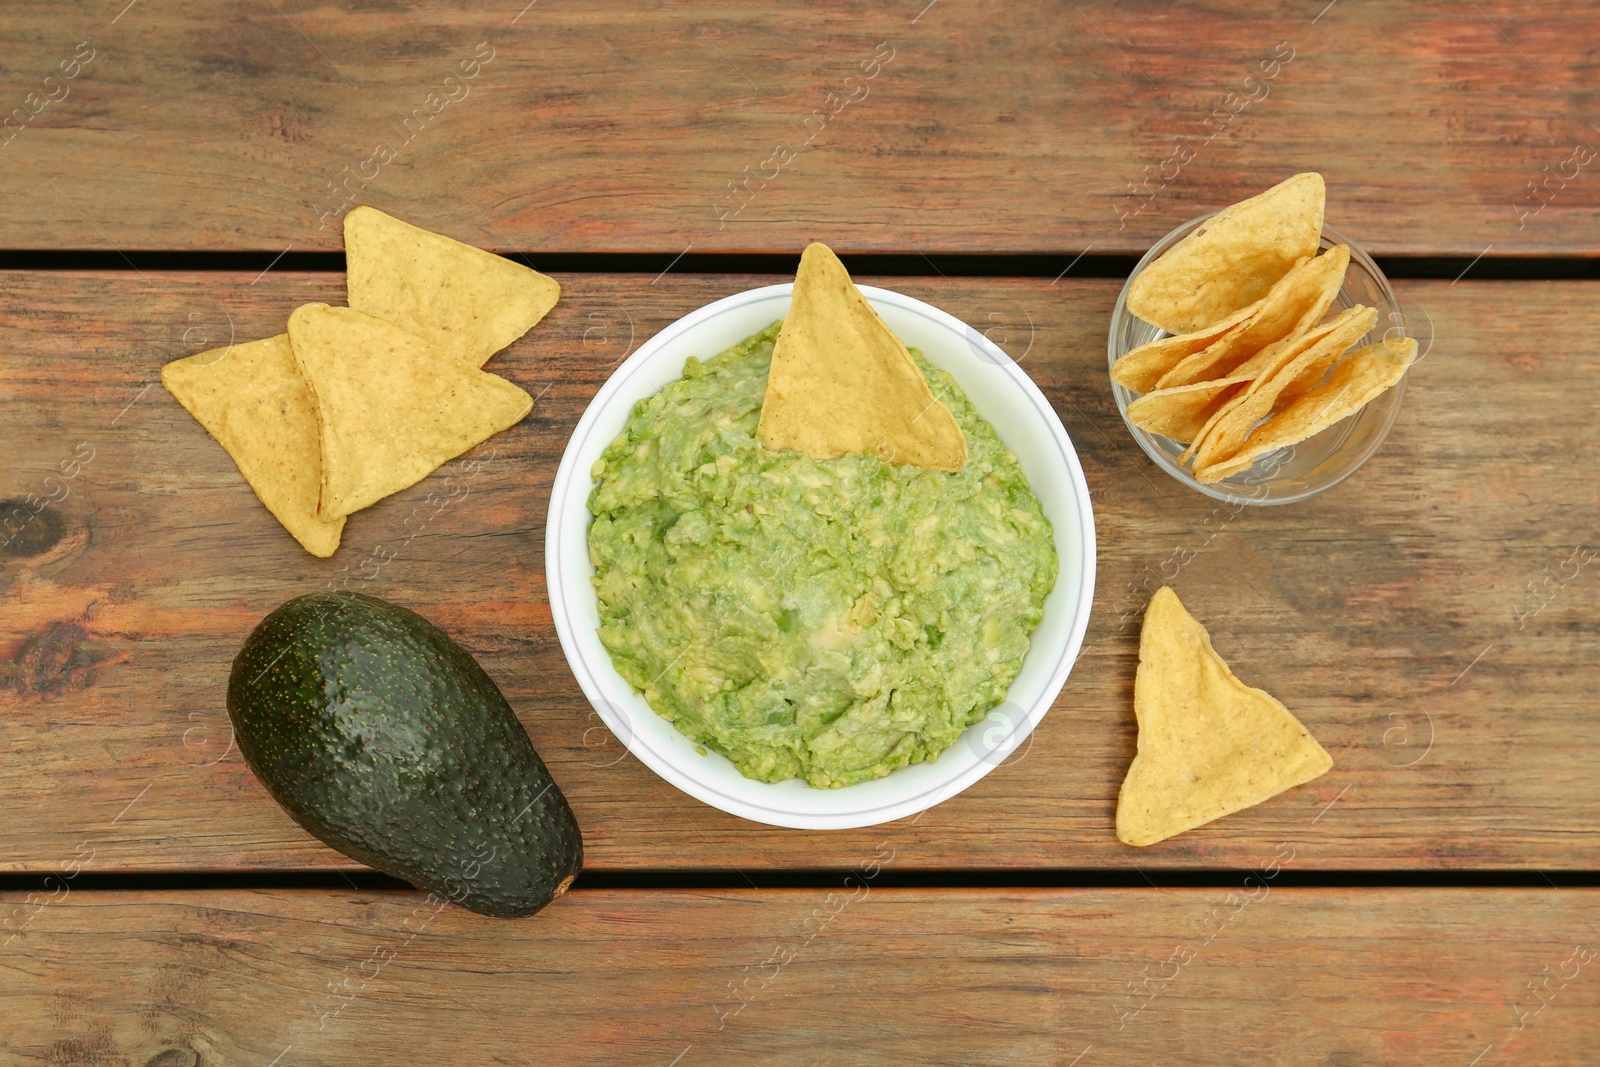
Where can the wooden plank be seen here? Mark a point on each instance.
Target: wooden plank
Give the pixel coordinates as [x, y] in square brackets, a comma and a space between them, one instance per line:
[1442, 127]
[1179, 977]
[1429, 619]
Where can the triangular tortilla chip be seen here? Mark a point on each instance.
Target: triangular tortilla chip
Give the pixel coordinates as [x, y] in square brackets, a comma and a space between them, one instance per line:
[1182, 412]
[1209, 745]
[390, 406]
[468, 302]
[842, 382]
[1288, 369]
[251, 398]
[1298, 301]
[1311, 352]
[1140, 368]
[1232, 259]
[1354, 383]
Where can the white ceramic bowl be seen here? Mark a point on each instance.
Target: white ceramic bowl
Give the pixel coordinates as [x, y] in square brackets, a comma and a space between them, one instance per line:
[1005, 396]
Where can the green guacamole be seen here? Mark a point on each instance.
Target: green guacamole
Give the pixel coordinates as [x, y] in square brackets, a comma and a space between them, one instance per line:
[831, 620]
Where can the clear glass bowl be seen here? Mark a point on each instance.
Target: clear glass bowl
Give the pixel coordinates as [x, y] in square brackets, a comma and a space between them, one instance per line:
[1296, 471]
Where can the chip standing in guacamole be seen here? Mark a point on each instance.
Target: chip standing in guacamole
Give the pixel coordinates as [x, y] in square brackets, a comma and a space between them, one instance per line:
[831, 620]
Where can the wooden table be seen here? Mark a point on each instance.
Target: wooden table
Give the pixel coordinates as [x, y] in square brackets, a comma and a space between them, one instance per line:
[175, 179]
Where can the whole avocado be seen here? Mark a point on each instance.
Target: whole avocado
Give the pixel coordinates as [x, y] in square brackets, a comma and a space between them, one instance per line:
[385, 739]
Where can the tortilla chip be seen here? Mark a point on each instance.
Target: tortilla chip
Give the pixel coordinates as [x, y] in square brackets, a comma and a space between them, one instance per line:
[391, 407]
[1140, 368]
[1232, 259]
[1287, 370]
[1209, 745]
[1354, 383]
[251, 398]
[1182, 412]
[467, 302]
[1217, 415]
[1295, 303]
[842, 382]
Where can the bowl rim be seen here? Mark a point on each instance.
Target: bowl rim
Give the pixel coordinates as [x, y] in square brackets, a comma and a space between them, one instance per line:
[1229, 490]
[561, 597]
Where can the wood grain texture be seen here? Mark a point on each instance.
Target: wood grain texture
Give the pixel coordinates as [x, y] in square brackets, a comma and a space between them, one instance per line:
[616, 126]
[1430, 619]
[800, 978]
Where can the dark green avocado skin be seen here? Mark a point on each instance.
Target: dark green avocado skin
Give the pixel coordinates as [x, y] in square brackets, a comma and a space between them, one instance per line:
[384, 738]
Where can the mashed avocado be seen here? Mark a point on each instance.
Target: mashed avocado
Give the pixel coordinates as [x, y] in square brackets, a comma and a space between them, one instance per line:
[831, 620]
